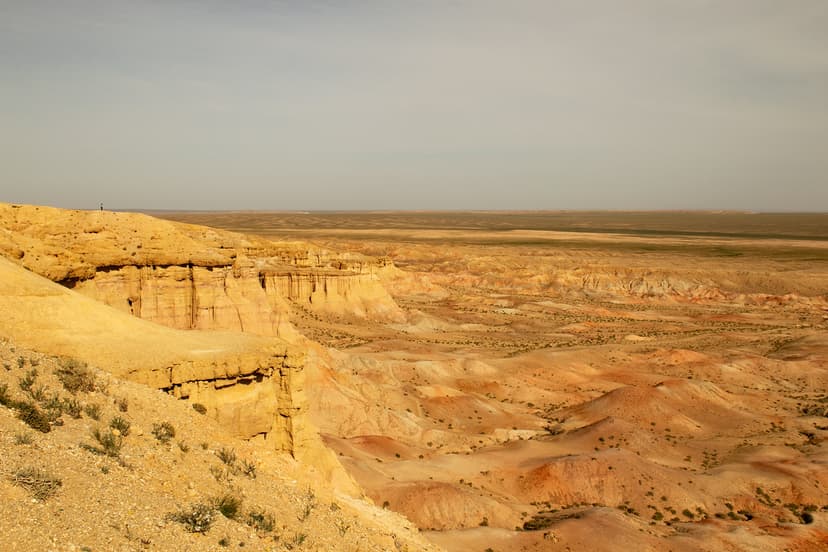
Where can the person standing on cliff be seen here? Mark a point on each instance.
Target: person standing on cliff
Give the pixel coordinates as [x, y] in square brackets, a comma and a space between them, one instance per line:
[101, 206]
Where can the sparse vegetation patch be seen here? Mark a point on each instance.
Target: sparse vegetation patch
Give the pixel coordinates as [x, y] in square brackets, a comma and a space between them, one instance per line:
[198, 518]
[121, 425]
[228, 504]
[164, 431]
[32, 416]
[76, 376]
[109, 442]
[37, 482]
[260, 520]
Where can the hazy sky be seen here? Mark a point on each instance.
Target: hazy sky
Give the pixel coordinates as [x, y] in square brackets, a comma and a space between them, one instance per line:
[447, 104]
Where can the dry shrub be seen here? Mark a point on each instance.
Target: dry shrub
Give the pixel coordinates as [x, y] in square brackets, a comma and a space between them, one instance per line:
[37, 482]
[76, 376]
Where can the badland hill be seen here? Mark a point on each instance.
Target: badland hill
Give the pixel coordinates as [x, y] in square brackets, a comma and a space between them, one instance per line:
[505, 381]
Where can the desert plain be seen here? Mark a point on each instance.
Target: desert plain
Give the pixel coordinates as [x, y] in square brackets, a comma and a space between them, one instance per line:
[503, 380]
[581, 381]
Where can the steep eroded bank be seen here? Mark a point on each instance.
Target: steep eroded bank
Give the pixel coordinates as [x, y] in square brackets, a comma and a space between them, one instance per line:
[191, 277]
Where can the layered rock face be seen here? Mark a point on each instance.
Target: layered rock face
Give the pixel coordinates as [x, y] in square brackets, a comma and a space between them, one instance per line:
[239, 297]
[190, 277]
[232, 293]
[254, 386]
[255, 395]
[226, 297]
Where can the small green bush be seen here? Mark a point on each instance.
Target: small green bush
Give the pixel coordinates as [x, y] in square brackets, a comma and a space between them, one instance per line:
[27, 410]
[197, 519]
[200, 408]
[93, 411]
[53, 407]
[342, 526]
[229, 505]
[27, 381]
[248, 468]
[110, 444]
[72, 407]
[164, 431]
[76, 376]
[227, 455]
[120, 424]
[31, 415]
[53, 402]
[37, 393]
[308, 504]
[219, 473]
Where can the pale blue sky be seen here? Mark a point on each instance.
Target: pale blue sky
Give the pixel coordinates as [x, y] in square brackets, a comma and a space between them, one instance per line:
[551, 104]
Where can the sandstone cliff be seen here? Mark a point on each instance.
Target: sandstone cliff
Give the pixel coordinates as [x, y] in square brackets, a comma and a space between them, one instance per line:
[253, 385]
[235, 291]
[191, 277]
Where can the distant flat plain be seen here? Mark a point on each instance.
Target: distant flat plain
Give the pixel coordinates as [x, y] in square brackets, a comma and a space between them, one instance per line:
[783, 236]
[724, 224]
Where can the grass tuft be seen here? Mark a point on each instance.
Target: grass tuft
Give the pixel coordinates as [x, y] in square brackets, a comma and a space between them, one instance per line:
[248, 468]
[228, 504]
[197, 519]
[72, 407]
[164, 431]
[22, 438]
[38, 483]
[260, 520]
[93, 411]
[32, 416]
[110, 443]
[121, 425]
[227, 455]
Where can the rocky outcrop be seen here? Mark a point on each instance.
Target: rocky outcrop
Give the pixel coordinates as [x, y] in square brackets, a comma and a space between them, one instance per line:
[188, 297]
[254, 386]
[254, 395]
[191, 277]
[162, 280]
[561, 275]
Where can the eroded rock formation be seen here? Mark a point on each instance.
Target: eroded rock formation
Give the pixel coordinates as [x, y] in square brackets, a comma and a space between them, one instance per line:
[232, 293]
[191, 277]
[254, 395]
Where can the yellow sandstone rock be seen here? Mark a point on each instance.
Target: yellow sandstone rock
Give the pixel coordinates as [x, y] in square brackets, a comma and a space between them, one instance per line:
[234, 290]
